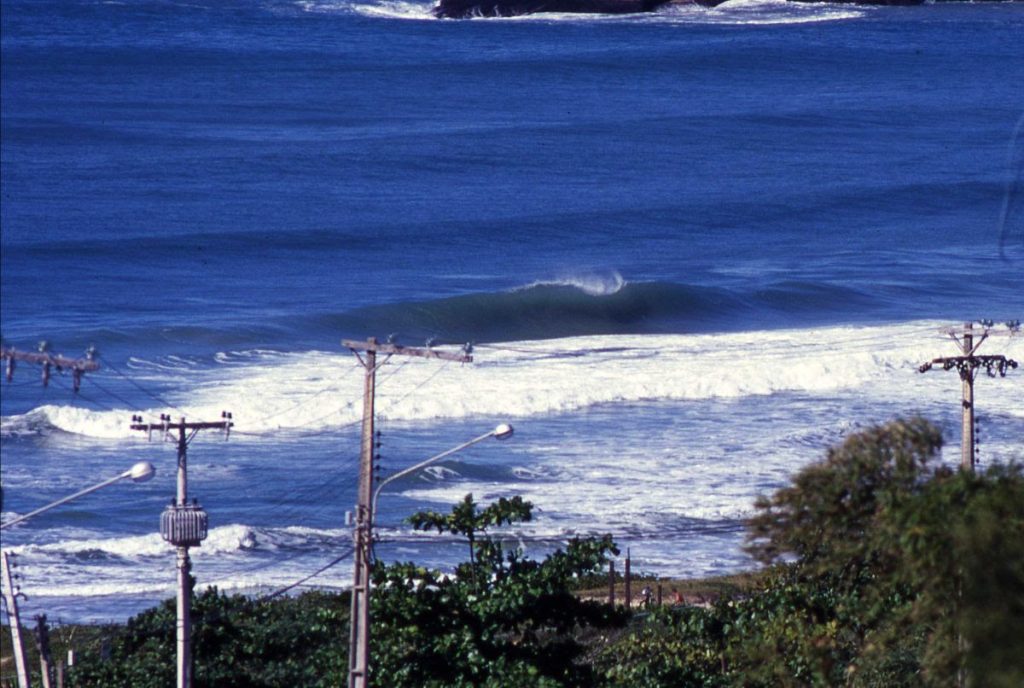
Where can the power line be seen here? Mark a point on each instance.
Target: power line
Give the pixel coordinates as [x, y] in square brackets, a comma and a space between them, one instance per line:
[320, 570]
[118, 397]
[145, 391]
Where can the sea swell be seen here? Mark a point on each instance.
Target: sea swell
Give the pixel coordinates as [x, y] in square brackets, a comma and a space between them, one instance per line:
[564, 308]
[548, 309]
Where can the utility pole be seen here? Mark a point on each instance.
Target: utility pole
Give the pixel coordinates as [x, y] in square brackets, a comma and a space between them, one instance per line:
[611, 583]
[967, 364]
[11, 598]
[183, 525]
[77, 366]
[629, 580]
[43, 646]
[359, 632]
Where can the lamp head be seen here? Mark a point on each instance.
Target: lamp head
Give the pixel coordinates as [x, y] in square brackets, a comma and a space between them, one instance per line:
[503, 431]
[141, 472]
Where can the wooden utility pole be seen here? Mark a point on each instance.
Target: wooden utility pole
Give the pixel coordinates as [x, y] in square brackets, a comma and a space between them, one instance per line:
[77, 366]
[611, 583]
[967, 364]
[359, 631]
[11, 599]
[628, 573]
[43, 646]
[183, 525]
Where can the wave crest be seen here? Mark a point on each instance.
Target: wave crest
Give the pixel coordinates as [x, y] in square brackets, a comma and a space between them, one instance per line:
[593, 284]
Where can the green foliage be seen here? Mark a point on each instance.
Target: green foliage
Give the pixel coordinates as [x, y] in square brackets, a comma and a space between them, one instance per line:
[237, 642]
[683, 648]
[500, 620]
[899, 574]
[829, 516]
[466, 520]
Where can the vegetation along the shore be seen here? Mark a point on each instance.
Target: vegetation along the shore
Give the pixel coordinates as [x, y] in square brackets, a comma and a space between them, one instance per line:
[883, 568]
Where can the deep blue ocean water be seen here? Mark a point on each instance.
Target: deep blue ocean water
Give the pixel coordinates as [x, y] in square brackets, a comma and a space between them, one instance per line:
[692, 250]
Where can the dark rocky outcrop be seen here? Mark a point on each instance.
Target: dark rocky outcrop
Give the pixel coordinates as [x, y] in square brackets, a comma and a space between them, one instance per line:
[865, 2]
[459, 9]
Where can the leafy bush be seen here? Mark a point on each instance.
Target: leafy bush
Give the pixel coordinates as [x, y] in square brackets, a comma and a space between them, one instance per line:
[500, 620]
[237, 642]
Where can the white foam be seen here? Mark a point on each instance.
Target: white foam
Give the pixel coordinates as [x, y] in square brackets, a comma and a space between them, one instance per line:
[387, 9]
[396, 10]
[223, 539]
[594, 284]
[760, 13]
[317, 391]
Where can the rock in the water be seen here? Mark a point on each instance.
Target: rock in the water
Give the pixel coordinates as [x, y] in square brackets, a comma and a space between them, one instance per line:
[460, 9]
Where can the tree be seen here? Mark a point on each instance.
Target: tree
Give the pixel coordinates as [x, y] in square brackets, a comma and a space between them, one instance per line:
[829, 517]
[500, 620]
[889, 569]
[925, 565]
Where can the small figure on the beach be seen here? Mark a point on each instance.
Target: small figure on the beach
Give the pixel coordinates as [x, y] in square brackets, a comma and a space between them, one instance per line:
[646, 594]
[677, 598]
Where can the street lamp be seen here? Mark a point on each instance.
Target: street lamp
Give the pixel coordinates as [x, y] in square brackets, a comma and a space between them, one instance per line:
[359, 629]
[501, 432]
[139, 473]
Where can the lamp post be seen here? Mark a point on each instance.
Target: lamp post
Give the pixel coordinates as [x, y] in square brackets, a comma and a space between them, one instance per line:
[359, 637]
[139, 473]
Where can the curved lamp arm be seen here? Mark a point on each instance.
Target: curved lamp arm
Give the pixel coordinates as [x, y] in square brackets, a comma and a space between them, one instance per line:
[139, 473]
[502, 432]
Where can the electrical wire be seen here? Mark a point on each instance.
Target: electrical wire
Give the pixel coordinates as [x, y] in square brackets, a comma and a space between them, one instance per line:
[306, 400]
[299, 582]
[110, 393]
[142, 389]
[393, 403]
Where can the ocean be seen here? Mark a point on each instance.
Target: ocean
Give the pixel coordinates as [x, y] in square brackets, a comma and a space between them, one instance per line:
[691, 250]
